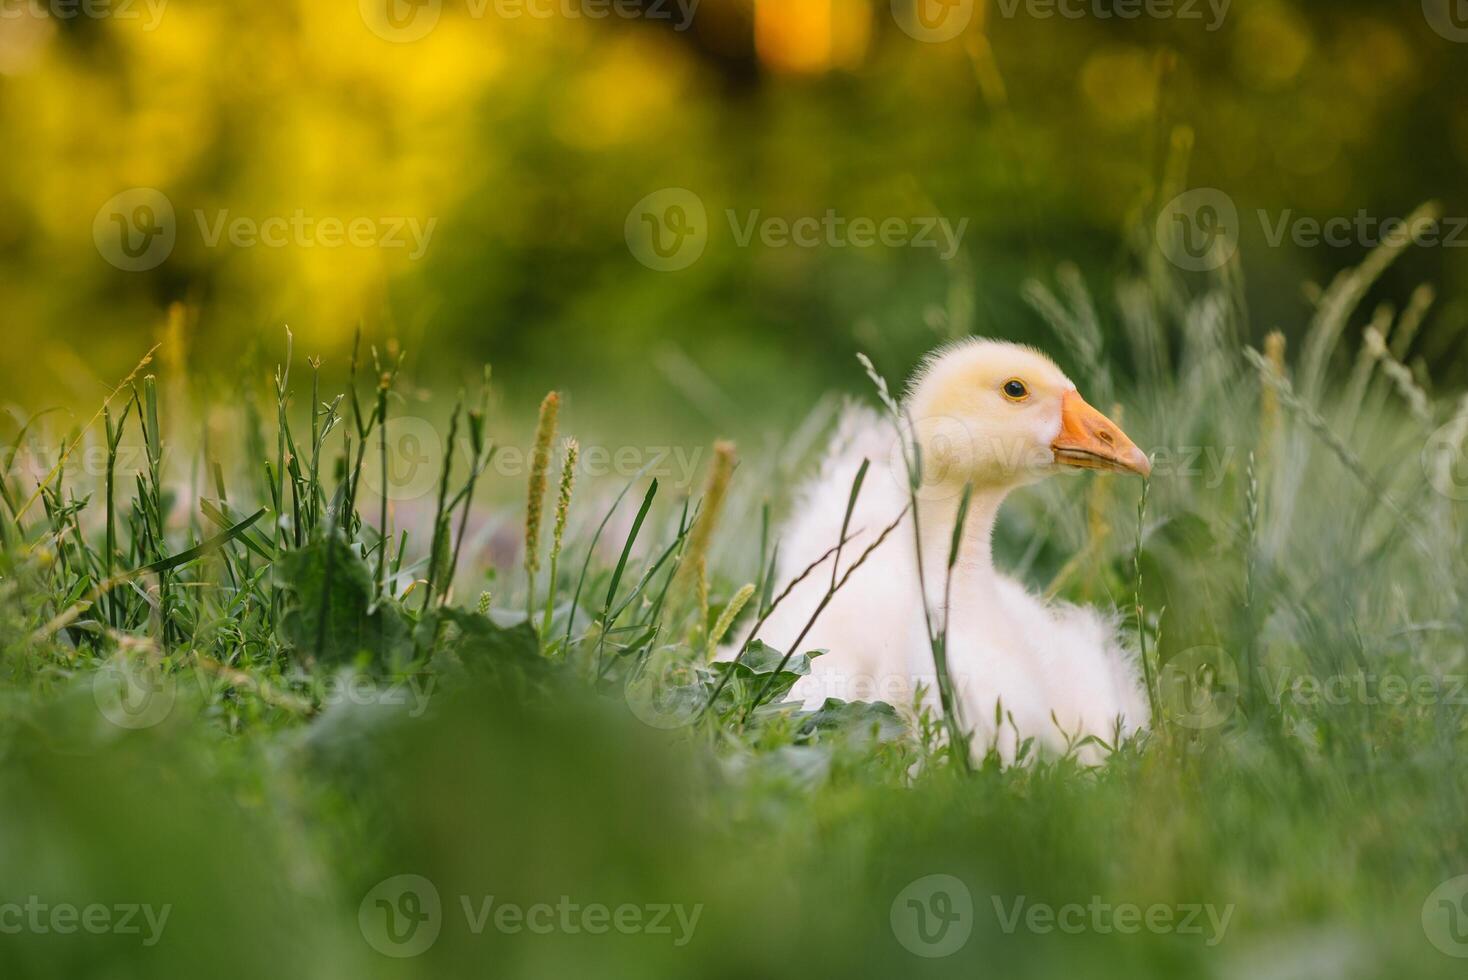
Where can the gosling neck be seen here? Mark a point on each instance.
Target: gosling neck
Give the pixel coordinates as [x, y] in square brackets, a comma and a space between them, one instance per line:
[936, 516]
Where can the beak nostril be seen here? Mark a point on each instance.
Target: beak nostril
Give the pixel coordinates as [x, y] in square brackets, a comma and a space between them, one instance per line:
[1090, 440]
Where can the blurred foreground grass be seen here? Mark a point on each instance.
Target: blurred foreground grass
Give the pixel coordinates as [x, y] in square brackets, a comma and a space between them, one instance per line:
[228, 695]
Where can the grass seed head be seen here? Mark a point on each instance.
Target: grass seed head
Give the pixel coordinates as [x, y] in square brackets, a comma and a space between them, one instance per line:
[730, 613]
[691, 582]
[715, 490]
[1274, 352]
[545, 434]
[563, 498]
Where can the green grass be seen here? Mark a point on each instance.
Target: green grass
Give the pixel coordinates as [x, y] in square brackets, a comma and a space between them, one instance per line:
[332, 707]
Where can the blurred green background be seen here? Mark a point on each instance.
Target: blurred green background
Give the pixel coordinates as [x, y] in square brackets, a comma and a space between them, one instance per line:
[526, 141]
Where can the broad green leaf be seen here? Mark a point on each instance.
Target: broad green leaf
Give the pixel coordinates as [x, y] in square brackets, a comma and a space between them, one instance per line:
[330, 615]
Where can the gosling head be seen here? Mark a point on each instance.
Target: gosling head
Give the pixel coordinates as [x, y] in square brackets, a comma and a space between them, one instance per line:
[1001, 415]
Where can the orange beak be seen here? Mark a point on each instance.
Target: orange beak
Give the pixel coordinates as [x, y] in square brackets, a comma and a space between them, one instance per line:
[1092, 441]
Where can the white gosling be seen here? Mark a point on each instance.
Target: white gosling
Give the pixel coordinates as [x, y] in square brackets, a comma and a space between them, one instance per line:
[999, 416]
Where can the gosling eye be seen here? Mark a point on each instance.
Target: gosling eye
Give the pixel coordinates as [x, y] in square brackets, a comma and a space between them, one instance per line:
[1015, 390]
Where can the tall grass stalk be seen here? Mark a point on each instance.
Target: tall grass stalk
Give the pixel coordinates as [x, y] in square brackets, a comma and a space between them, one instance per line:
[482, 451]
[957, 732]
[1149, 673]
[438, 576]
[692, 569]
[282, 407]
[383, 531]
[912, 460]
[545, 435]
[558, 534]
[607, 617]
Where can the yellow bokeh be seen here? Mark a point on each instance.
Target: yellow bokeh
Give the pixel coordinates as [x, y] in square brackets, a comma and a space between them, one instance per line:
[1120, 85]
[811, 35]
